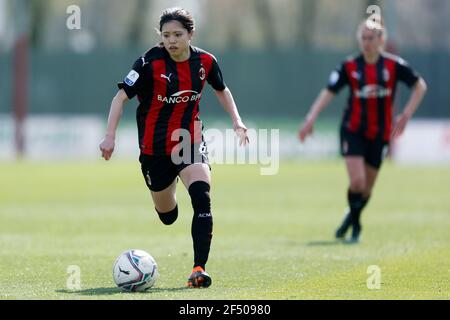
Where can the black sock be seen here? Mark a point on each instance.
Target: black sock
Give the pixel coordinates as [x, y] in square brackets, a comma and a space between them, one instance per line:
[202, 222]
[356, 203]
[168, 217]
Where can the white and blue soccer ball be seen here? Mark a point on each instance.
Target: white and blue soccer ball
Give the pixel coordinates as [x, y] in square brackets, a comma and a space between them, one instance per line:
[135, 270]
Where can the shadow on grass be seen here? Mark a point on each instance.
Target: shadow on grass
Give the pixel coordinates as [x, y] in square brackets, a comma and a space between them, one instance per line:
[115, 290]
[323, 243]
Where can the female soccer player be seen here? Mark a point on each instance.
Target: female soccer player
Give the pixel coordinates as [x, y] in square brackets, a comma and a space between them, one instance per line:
[168, 80]
[366, 128]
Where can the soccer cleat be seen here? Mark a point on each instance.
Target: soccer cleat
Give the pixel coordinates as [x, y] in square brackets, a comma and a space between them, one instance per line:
[356, 231]
[340, 233]
[199, 278]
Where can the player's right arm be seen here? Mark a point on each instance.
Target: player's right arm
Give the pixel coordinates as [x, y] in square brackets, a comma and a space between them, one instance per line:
[337, 80]
[115, 113]
[322, 101]
[133, 84]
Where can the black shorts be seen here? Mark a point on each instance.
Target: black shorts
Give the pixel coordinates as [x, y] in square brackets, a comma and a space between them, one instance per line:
[356, 144]
[161, 170]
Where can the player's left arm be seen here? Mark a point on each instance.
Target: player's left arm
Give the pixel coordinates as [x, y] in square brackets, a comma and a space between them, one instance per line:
[226, 100]
[215, 79]
[417, 94]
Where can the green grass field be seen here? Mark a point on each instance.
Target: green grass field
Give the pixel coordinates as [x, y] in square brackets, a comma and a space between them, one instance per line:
[273, 235]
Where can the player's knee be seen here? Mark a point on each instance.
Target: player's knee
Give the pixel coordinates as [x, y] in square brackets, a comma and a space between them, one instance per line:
[358, 184]
[200, 198]
[367, 193]
[168, 217]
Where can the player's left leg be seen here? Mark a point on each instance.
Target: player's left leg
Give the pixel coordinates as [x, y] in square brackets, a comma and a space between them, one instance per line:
[356, 171]
[374, 157]
[371, 174]
[197, 179]
[371, 178]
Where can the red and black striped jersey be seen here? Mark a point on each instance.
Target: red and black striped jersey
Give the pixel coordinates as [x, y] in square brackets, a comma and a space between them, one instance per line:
[372, 91]
[169, 93]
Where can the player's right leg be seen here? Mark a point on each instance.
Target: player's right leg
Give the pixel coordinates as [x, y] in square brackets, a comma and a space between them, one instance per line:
[355, 170]
[353, 150]
[161, 179]
[166, 203]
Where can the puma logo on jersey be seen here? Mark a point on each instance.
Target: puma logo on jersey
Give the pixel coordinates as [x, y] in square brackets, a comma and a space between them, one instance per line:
[386, 75]
[356, 75]
[166, 77]
[143, 61]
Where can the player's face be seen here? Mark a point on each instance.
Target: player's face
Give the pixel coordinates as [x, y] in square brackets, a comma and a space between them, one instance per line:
[176, 38]
[370, 41]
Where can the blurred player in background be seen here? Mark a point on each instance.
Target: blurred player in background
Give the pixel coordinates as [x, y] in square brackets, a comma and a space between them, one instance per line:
[168, 80]
[366, 128]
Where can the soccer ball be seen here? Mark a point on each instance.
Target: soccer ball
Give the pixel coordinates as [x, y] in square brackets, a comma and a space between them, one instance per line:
[135, 270]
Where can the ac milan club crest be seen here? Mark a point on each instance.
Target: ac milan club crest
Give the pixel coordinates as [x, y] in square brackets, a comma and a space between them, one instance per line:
[202, 73]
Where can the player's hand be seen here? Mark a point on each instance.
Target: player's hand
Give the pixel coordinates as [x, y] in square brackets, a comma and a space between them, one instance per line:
[107, 147]
[241, 131]
[306, 130]
[399, 125]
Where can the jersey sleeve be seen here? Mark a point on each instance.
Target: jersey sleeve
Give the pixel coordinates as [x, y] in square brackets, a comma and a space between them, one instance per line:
[406, 74]
[337, 79]
[133, 83]
[215, 78]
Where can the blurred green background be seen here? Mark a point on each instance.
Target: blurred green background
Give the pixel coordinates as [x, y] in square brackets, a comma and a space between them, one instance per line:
[275, 54]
